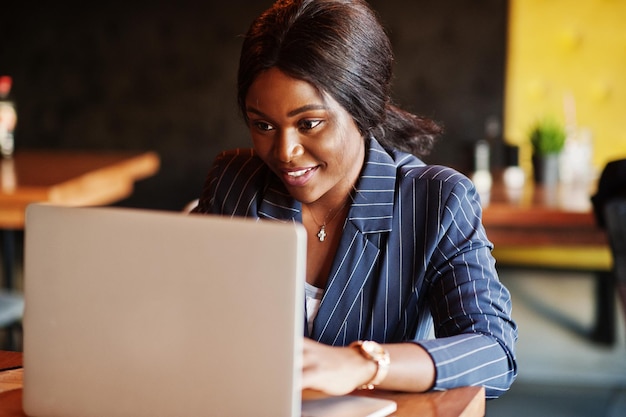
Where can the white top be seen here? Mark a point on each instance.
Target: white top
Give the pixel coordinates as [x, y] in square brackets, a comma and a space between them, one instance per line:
[313, 300]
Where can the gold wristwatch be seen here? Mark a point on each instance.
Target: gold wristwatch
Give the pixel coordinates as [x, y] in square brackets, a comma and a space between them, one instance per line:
[374, 352]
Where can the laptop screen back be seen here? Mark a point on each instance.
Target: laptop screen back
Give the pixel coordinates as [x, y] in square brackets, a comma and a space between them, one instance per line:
[142, 313]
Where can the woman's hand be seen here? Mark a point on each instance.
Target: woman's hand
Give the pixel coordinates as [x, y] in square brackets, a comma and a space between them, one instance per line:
[334, 370]
[340, 370]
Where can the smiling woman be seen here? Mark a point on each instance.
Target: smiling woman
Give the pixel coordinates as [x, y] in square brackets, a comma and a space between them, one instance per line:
[307, 139]
[394, 245]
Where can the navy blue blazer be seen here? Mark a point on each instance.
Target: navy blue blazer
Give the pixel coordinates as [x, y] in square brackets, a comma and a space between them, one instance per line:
[413, 253]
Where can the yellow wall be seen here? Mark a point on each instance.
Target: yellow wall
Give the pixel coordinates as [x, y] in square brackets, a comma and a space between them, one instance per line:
[566, 47]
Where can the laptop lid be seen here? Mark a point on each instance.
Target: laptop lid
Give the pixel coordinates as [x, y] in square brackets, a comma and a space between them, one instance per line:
[141, 313]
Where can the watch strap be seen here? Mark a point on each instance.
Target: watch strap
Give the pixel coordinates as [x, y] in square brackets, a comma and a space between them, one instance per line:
[376, 353]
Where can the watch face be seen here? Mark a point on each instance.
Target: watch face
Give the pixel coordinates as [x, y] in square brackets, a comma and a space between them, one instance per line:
[373, 349]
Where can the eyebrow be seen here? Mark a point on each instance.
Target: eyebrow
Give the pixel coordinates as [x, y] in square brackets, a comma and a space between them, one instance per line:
[293, 112]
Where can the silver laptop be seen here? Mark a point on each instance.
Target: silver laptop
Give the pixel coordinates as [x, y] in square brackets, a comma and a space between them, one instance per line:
[143, 313]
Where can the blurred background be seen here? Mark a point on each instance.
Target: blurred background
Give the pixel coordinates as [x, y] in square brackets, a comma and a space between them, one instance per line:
[160, 76]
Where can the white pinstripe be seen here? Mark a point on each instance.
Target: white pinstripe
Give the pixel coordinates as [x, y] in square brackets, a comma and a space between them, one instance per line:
[413, 246]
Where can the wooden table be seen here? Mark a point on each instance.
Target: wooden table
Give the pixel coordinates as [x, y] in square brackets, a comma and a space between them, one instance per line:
[554, 227]
[72, 178]
[68, 178]
[543, 216]
[460, 402]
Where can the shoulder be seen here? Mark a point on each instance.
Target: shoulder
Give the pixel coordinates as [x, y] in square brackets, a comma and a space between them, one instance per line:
[412, 169]
[237, 165]
[446, 187]
[235, 178]
[237, 159]
[406, 171]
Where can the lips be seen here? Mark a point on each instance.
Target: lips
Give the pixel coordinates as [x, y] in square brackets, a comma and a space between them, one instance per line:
[299, 173]
[298, 177]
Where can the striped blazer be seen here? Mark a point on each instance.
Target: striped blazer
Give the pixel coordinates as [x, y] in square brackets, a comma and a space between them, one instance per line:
[413, 259]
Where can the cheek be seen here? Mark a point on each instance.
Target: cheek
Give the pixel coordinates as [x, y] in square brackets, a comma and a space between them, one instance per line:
[261, 145]
[344, 148]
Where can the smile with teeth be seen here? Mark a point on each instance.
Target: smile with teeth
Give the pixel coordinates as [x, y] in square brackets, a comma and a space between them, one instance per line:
[300, 173]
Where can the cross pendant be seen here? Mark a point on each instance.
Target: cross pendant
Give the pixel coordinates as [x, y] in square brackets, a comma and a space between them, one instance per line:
[321, 235]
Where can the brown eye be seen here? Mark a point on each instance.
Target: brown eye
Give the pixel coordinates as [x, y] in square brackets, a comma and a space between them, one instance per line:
[263, 126]
[310, 124]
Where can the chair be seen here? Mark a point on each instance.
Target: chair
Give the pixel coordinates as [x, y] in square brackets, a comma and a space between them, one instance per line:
[615, 221]
[609, 204]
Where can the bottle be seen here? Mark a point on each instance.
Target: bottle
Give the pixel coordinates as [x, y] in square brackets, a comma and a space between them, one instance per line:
[8, 117]
[482, 174]
[513, 175]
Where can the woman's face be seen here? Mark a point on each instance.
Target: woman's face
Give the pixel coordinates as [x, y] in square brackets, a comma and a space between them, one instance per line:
[306, 138]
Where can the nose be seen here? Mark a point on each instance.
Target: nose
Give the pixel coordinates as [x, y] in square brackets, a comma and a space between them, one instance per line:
[288, 147]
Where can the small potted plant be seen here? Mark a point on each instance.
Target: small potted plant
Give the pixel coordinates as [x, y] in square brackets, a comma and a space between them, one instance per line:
[547, 138]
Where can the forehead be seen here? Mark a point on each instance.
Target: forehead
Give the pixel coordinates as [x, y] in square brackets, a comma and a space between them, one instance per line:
[273, 86]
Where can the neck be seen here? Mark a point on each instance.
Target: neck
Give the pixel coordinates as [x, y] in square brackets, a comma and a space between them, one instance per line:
[324, 213]
[318, 226]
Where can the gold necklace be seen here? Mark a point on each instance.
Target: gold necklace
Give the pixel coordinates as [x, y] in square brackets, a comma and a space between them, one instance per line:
[321, 234]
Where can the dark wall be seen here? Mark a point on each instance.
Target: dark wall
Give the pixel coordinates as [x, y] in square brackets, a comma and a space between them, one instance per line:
[161, 75]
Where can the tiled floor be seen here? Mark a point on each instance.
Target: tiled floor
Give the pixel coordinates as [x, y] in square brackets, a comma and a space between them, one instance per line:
[561, 373]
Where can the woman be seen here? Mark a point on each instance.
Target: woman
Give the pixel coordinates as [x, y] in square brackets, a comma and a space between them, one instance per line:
[394, 245]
